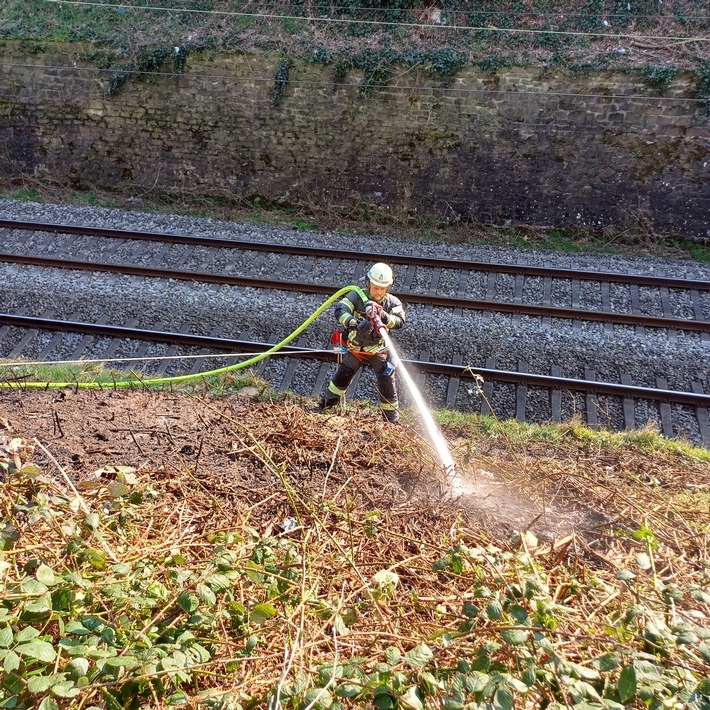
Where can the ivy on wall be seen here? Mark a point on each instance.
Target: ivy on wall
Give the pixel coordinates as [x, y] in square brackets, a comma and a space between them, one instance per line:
[145, 68]
[703, 88]
[280, 82]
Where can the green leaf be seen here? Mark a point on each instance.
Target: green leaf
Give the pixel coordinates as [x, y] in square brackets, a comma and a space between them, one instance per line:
[583, 672]
[65, 689]
[206, 595]
[392, 655]
[92, 521]
[684, 634]
[30, 471]
[481, 662]
[516, 684]
[381, 669]
[624, 575]
[643, 560]
[218, 582]
[348, 690]
[34, 586]
[430, 682]
[514, 637]
[608, 662]
[348, 617]
[117, 661]
[45, 575]
[384, 702]
[157, 590]
[385, 580]
[178, 698]
[48, 704]
[700, 631]
[704, 649]
[645, 670]
[39, 650]
[5, 637]
[627, 684]
[326, 673]
[589, 690]
[529, 676]
[8, 535]
[11, 662]
[470, 610]
[41, 605]
[200, 653]
[503, 698]
[418, 656]
[494, 610]
[62, 599]
[519, 613]
[188, 602]
[413, 698]
[320, 698]
[95, 558]
[261, 612]
[76, 627]
[37, 684]
[77, 667]
[340, 628]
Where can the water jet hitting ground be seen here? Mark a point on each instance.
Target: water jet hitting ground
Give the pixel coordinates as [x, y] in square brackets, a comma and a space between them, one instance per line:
[436, 436]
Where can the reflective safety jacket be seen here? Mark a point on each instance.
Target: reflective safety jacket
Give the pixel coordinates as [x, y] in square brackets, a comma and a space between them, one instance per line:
[350, 310]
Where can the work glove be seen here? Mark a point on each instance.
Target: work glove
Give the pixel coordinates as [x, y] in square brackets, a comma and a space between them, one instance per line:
[372, 309]
[364, 327]
[385, 317]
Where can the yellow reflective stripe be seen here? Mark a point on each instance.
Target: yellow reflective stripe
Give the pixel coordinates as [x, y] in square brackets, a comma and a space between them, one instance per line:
[335, 390]
[369, 350]
[389, 406]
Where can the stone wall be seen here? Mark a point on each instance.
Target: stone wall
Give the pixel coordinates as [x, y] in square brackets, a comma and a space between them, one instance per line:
[521, 145]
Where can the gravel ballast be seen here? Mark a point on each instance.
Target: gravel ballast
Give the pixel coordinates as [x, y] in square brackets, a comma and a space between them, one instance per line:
[642, 354]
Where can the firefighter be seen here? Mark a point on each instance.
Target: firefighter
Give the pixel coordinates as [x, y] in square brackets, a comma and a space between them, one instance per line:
[364, 344]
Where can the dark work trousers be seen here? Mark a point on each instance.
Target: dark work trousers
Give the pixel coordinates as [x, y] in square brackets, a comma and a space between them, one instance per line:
[386, 384]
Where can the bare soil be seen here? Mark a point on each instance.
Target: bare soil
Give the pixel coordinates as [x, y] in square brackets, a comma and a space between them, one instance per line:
[233, 450]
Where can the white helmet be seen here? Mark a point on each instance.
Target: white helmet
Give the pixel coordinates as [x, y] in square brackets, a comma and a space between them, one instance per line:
[380, 275]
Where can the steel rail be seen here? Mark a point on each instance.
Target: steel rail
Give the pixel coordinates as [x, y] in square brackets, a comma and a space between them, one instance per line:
[443, 301]
[546, 381]
[612, 277]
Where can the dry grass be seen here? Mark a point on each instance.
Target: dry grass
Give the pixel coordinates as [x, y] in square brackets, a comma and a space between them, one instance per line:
[377, 559]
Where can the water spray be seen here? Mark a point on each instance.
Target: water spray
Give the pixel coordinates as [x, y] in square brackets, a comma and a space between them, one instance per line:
[436, 436]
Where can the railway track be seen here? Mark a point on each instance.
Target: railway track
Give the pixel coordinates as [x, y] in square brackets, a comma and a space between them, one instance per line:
[304, 370]
[683, 303]
[457, 377]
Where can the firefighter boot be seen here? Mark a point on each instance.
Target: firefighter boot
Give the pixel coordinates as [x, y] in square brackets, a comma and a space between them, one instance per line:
[327, 401]
[391, 415]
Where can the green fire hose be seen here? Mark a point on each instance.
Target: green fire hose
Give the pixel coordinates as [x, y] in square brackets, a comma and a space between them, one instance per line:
[132, 382]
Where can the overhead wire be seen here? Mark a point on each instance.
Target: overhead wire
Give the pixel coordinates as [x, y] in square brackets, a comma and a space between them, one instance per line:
[448, 11]
[150, 358]
[386, 23]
